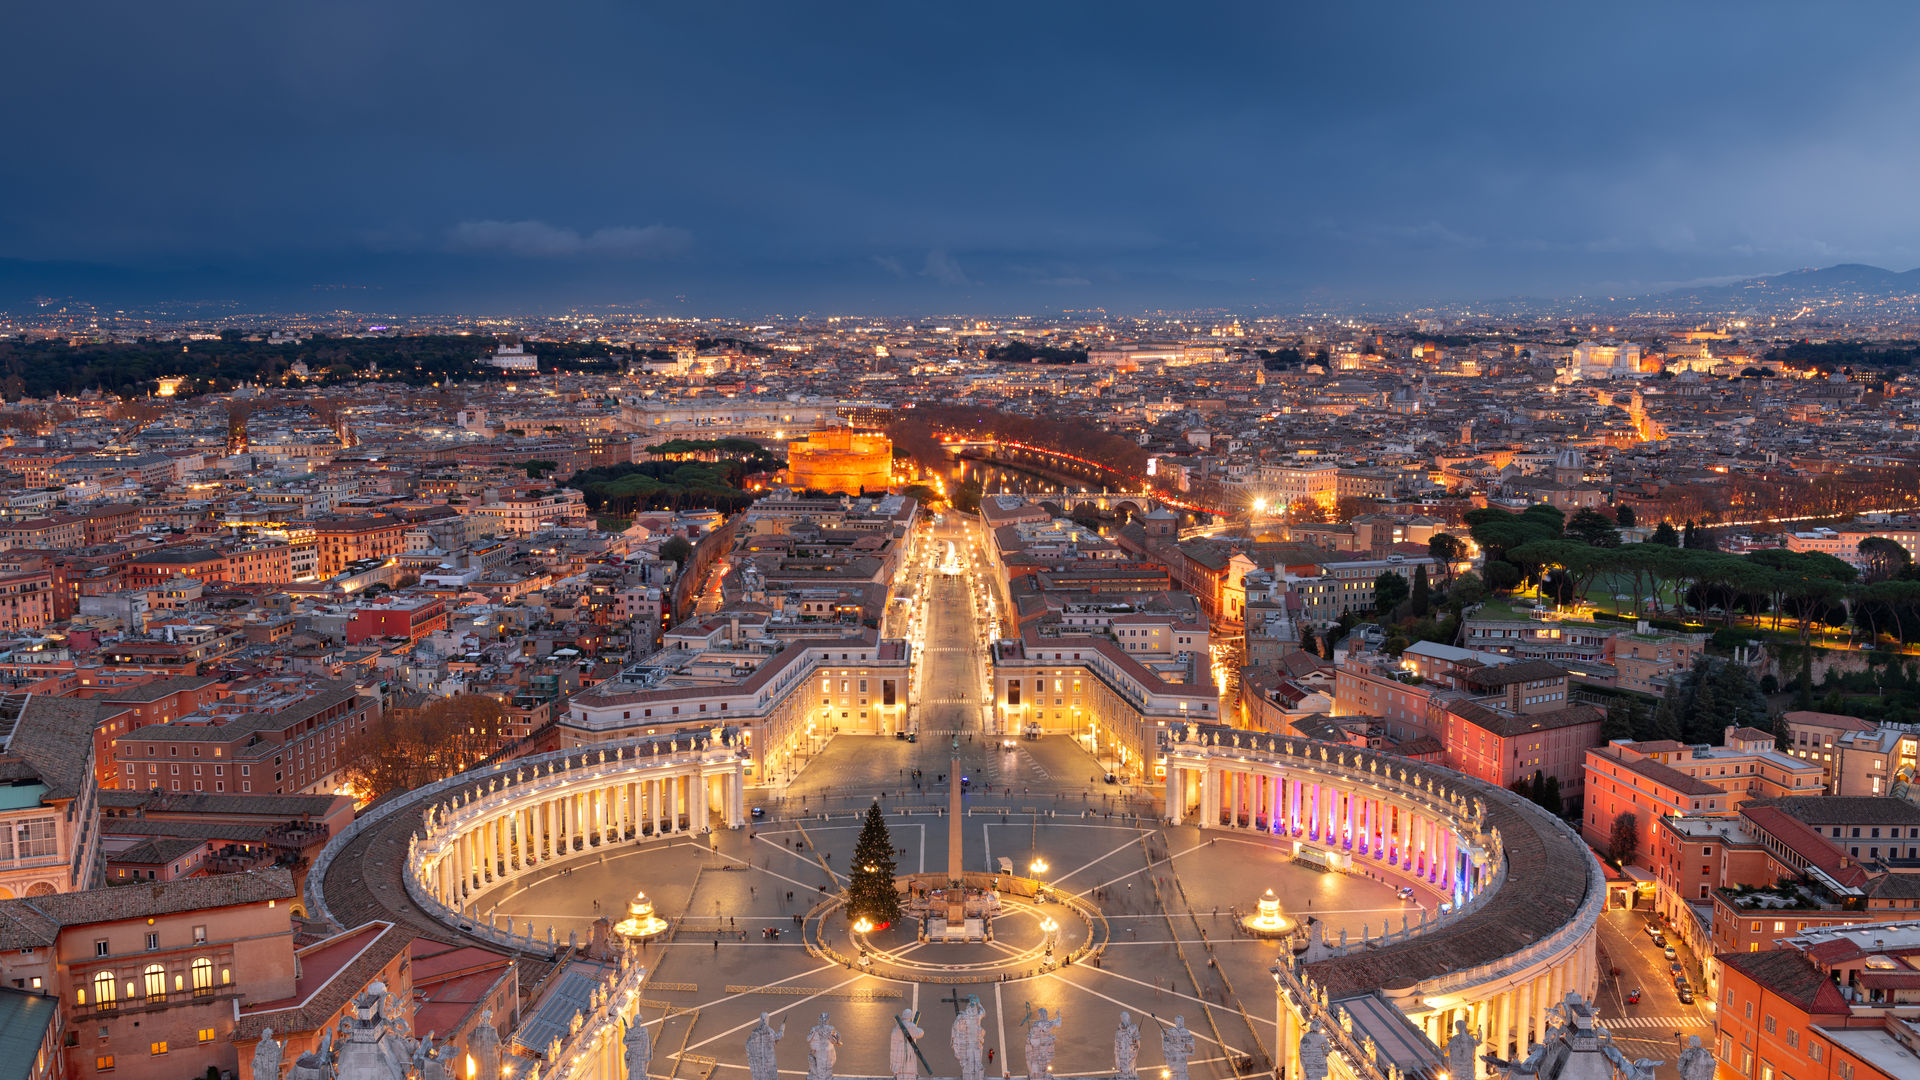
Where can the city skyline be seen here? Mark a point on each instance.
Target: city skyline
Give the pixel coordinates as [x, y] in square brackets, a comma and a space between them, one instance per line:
[761, 160]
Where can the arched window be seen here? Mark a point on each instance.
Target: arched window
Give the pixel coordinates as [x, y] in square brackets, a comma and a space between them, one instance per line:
[202, 976]
[103, 990]
[156, 980]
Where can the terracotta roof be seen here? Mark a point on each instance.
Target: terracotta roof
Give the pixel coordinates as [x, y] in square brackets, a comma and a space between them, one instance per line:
[1829, 720]
[332, 973]
[1508, 725]
[1790, 975]
[1846, 809]
[1519, 671]
[53, 742]
[1664, 775]
[1805, 842]
[38, 920]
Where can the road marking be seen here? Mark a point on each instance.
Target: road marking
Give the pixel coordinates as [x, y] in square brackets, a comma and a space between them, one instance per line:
[1061, 975]
[769, 1012]
[1149, 866]
[1000, 1020]
[1124, 845]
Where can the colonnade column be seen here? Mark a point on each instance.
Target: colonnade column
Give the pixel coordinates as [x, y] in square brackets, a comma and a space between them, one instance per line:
[1503, 1024]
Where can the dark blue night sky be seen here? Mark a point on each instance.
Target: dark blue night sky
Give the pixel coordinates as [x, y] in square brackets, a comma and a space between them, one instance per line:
[734, 157]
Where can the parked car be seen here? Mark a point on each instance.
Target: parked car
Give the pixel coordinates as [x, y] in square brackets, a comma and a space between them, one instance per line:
[1652, 930]
[1679, 973]
[1686, 994]
[759, 812]
[1406, 892]
[1660, 941]
[1671, 955]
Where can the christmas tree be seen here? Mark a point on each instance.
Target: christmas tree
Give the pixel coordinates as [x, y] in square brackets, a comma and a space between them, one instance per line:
[870, 891]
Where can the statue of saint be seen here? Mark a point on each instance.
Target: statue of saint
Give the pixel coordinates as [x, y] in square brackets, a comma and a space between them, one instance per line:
[638, 1048]
[1126, 1048]
[484, 1047]
[760, 1041]
[822, 1050]
[1462, 1052]
[1176, 1046]
[266, 1056]
[1696, 1061]
[900, 1056]
[1313, 1052]
[1041, 1036]
[969, 1039]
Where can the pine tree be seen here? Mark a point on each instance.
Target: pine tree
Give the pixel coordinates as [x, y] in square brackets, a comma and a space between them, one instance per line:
[1619, 722]
[1803, 685]
[1666, 723]
[870, 890]
[1307, 640]
[1553, 802]
[1422, 592]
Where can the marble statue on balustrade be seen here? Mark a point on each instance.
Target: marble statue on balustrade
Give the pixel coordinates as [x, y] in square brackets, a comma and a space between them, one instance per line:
[1463, 1052]
[823, 1049]
[484, 1047]
[969, 1038]
[1696, 1061]
[761, 1064]
[638, 1048]
[1126, 1048]
[1176, 1046]
[1313, 1052]
[315, 1064]
[1042, 1035]
[427, 1064]
[904, 1063]
[266, 1056]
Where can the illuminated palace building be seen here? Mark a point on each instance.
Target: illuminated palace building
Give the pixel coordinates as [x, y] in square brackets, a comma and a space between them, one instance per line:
[1502, 952]
[779, 686]
[842, 460]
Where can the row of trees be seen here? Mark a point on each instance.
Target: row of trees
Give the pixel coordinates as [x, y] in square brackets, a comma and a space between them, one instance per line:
[1680, 571]
[413, 747]
[43, 369]
[628, 488]
[916, 433]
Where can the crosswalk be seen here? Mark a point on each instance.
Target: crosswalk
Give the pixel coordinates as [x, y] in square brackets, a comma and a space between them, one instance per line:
[1023, 769]
[1662, 1023]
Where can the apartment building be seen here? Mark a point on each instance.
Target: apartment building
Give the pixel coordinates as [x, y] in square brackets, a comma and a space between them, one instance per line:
[27, 600]
[345, 540]
[1826, 1003]
[1656, 778]
[293, 745]
[50, 822]
[1855, 756]
[147, 976]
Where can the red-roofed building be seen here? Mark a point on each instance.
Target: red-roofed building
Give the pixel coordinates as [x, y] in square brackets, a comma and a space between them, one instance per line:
[1834, 1004]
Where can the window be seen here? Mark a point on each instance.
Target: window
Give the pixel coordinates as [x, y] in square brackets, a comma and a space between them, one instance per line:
[199, 935]
[158, 1048]
[30, 839]
[155, 978]
[103, 990]
[206, 1035]
[103, 1062]
[153, 940]
[100, 947]
[202, 969]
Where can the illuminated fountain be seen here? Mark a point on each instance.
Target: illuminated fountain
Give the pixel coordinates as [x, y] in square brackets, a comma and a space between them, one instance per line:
[1266, 920]
[641, 922]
